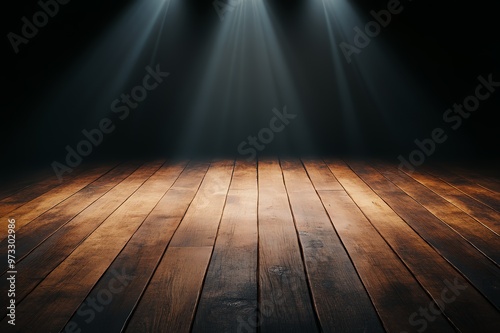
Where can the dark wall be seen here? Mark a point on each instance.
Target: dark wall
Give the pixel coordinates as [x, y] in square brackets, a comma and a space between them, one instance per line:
[443, 46]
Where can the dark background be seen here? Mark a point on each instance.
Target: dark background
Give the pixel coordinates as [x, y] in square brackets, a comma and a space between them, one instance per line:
[443, 45]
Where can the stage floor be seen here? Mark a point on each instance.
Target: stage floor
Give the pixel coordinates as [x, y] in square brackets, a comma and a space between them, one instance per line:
[235, 246]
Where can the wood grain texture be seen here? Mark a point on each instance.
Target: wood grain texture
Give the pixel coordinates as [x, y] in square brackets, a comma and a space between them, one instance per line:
[42, 227]
[284, 298]
[228, 301]
[246, 247]
[478, 269]
[481, 194]
[391, 286]
[489, 182]
[199, 226]
[431, 270]
[339, 296]
[140, 257]
[46, 257]
[36, 207]
[320, 176]
[28, 184]
[484, 214]
[20, 191]
[58, 296]
[175, 290]
[484, 239]
[179, 277]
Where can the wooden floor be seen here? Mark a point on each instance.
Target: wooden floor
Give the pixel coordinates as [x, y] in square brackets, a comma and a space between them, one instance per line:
[278, 246]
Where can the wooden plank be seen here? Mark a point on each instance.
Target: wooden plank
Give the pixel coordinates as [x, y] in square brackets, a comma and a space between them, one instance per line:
[317, 171]
[46, 257]
[469, 310]
[393, 289]
[489, 182]
[199, 227]
[31, 235]
[33, 191]
[82, 266]
[228, 301]
[487, 197]
[14, 183]
[477, 268]
[284, 298]
[339, 297]
[484, 214]
[139, 259]
[36, 207]
[56, 298]
[182, 272]
[484, 239]
[179, 276]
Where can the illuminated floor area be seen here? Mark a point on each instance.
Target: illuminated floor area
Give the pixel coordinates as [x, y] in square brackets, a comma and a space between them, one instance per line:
[278, 246]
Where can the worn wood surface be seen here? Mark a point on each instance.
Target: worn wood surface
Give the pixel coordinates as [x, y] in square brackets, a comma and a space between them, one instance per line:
[268, 246]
